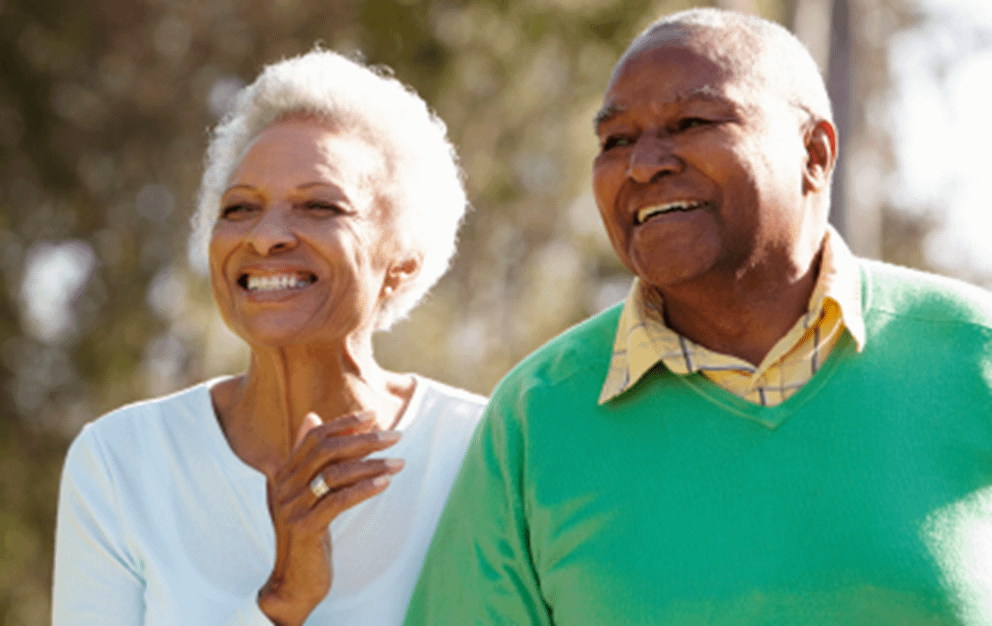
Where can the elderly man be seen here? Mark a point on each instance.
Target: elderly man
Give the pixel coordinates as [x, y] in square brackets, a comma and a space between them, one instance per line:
[768, 430]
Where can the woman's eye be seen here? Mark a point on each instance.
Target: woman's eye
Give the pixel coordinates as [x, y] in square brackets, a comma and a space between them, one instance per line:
[322, 207]
[233, 211]
[691, 122]
[616, 142]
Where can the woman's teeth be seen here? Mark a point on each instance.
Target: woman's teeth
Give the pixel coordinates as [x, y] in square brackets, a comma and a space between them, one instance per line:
[271, 283]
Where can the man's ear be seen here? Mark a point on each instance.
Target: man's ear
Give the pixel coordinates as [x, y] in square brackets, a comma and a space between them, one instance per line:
[821, 155]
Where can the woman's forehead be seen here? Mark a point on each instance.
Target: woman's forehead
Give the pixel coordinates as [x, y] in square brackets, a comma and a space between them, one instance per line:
[307, 145]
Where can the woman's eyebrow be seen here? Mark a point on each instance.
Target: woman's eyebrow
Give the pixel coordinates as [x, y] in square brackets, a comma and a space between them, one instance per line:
[239, 186]
[317, 183]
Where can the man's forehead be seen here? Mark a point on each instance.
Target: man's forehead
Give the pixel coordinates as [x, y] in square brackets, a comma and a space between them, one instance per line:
[663, 34]
[731, 48]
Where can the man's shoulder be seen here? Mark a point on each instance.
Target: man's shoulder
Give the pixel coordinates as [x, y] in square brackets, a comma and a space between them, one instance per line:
[921, 295]
[580, 352]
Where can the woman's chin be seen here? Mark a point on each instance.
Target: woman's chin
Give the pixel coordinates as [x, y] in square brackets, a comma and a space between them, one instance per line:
[276, 336]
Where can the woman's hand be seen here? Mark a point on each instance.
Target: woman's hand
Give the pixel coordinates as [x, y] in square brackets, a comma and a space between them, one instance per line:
[302, 573]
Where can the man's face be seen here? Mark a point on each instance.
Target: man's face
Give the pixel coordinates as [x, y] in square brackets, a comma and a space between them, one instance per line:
[700, 175]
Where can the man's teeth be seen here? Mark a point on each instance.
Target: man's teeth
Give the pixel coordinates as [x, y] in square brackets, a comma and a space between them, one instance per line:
[270, 283]
[647, 212]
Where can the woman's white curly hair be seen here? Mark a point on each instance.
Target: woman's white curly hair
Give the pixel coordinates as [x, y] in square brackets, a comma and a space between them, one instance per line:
[425, 190]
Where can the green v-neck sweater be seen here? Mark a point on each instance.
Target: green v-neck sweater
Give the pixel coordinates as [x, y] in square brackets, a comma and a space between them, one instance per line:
[866, 498]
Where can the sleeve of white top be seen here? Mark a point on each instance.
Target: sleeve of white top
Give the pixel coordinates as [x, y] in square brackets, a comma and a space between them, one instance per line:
[249, 615]
[96, 579]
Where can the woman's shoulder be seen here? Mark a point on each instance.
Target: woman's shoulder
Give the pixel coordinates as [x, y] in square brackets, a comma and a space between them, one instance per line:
[130, 431]
[438, 407]
[443, 398]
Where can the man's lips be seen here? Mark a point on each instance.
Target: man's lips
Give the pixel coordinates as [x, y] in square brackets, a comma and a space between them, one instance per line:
[655, 210]
[260, 283]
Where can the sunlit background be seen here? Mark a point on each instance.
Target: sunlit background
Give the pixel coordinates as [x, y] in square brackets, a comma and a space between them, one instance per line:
[104, 107]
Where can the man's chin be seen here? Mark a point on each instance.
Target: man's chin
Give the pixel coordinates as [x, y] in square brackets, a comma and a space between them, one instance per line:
[667, 271]
[666, 256]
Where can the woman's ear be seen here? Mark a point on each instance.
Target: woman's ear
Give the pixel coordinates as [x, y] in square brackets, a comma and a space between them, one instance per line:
[399, 273]
[821, 155]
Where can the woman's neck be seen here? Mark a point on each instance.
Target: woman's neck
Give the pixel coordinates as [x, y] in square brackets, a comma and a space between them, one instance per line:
[261, 411]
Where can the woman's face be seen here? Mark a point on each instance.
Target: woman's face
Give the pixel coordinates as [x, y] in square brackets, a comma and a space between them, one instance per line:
[302, 245]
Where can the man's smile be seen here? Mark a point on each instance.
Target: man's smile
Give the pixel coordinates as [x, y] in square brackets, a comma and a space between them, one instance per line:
[655, 210]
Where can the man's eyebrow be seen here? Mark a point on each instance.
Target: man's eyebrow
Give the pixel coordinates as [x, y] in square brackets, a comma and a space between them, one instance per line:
[605, 114]
[706, 93]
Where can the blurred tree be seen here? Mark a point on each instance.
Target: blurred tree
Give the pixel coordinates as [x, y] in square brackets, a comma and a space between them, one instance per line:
[104, 107]
[103, 112]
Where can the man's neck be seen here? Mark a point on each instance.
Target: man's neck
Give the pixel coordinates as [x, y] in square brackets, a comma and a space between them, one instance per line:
[744, 317]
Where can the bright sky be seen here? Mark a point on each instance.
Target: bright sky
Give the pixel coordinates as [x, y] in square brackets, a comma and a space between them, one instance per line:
[943, 137]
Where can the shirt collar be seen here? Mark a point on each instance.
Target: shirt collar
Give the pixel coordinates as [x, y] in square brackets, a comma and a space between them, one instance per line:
[643, 339]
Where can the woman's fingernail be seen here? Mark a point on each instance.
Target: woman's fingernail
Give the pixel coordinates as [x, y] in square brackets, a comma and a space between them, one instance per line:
[394, 465]
[380, 481]
[389, 436]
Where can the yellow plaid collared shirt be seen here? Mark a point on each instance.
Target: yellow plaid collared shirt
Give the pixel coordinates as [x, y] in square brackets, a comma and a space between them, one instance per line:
[643, 339]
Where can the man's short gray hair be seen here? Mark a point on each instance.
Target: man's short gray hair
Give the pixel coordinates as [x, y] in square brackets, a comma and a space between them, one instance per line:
[775, 58]
[425, 191]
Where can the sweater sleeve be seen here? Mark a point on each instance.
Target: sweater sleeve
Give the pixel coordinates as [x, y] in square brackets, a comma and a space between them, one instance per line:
[479, 568]
[96, 579]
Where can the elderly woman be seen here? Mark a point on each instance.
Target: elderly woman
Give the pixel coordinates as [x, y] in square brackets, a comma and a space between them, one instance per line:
[286, 494]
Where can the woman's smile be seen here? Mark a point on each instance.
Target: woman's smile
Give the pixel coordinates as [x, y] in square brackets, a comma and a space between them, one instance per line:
[275, 285]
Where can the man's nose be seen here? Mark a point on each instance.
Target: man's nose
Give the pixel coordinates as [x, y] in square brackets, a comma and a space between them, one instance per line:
[652, 157]
[273, 232]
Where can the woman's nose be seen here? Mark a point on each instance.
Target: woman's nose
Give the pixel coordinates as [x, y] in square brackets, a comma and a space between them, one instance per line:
[653, 157]
[272, 233]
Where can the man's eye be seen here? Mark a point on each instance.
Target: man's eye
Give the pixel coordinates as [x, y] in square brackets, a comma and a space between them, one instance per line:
[616, 142]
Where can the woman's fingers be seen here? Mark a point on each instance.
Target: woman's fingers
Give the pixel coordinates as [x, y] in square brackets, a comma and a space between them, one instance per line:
[310, 421]
[330, 506]
[329, 452]
[312, 432]
[342, 475]
[337, 449]
[341, 481]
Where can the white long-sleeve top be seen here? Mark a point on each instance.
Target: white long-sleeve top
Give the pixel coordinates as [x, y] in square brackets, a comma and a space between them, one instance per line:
[160, 523]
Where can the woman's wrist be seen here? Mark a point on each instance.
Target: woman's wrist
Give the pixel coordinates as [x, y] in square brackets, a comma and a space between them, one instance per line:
[282, 611]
